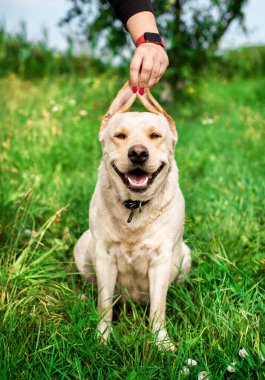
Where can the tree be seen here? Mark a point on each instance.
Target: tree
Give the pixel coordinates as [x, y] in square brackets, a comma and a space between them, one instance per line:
[192, 29]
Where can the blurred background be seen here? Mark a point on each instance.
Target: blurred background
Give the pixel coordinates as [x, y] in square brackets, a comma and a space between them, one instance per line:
[47, 37]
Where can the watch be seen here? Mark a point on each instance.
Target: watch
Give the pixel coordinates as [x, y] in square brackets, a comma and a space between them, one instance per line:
[154, 38]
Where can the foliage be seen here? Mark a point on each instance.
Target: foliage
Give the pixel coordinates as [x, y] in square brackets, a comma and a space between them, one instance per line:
[31, 60]
[49, 144]
[34, 60]
[245, 62]
[192, 29]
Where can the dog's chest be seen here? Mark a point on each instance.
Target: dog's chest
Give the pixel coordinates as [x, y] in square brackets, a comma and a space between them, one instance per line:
[132, 260]
[133, 256]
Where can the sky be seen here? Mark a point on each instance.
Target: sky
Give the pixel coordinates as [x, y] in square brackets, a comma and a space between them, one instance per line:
[46, 13]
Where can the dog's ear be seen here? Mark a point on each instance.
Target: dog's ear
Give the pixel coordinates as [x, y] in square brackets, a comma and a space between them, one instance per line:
[122, 103]
[152, 105]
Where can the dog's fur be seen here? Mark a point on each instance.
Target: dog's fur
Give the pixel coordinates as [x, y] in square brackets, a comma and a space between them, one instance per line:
[141, 258]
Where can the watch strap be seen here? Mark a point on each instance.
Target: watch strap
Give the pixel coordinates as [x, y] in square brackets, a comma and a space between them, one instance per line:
[153, 38]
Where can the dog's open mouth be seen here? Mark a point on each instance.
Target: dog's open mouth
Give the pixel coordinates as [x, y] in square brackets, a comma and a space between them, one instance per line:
[138, 180]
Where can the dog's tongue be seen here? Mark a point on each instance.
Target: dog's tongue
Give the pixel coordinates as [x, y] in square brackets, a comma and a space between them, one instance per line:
[137, 179]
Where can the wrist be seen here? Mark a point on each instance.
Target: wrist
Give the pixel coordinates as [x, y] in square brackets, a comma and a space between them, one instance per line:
[150, 38]
[141, 22]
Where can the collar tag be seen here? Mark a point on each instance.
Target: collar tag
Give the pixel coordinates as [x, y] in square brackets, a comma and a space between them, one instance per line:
[133, 205]
[130, 217]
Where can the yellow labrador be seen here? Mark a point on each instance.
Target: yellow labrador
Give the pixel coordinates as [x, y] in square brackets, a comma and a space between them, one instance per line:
[134, 246]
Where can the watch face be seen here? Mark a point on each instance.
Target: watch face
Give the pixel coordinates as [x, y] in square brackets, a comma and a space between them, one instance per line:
[152, 37]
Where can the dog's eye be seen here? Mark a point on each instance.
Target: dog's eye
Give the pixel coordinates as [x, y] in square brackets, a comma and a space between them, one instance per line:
[120, 136]
[155, 135]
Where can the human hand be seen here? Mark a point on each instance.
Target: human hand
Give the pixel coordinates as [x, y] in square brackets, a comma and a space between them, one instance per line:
[148, 65]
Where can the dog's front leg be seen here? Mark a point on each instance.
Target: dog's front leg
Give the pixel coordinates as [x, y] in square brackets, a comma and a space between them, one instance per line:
[106, 279]
[159, 274]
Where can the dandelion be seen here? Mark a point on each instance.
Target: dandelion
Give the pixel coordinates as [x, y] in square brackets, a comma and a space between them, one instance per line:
[203, 376]
[12, 76]
[190, 90]
[54, 131]
[6, 144]
[242, 353]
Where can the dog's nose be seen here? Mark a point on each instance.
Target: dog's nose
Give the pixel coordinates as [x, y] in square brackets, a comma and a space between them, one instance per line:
[138, 154]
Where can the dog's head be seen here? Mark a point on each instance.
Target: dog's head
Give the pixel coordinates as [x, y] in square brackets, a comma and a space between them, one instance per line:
[138, 147]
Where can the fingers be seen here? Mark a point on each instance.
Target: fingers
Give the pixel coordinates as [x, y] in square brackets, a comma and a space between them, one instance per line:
[135, 69]
[147, 66]
[146, 71]
[162, 70]
[155, 75]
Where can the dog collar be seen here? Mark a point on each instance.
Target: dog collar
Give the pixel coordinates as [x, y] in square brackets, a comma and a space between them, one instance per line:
[133, 205]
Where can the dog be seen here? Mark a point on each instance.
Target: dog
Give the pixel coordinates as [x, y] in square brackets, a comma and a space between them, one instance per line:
[134, 246]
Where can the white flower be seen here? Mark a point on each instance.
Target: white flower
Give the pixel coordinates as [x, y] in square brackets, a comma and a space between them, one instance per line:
[82, 112]
[29, 233]
[191, 362]
[242, 353]
[56, 108]
[88, 80]
[203, 376]
[231, 369]
[207, 121]
[185, 371]
[72, 101]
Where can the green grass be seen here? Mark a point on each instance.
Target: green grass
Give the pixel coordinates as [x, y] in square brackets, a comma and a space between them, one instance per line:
[49, 145]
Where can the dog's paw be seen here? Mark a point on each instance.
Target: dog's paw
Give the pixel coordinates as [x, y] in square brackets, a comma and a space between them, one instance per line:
[103, 330]
[166, 345]
[163, 342]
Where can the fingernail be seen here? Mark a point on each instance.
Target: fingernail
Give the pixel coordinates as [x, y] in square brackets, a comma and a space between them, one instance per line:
[134, 88]
[141, 91]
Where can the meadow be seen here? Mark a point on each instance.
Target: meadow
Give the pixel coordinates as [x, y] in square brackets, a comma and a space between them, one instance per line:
[49, 159]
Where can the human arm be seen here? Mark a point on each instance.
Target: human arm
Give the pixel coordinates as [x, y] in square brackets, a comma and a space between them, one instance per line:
[149, 61]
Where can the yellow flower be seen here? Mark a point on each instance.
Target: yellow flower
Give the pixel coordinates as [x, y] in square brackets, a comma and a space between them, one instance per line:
[12, 76]
[190, 90]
